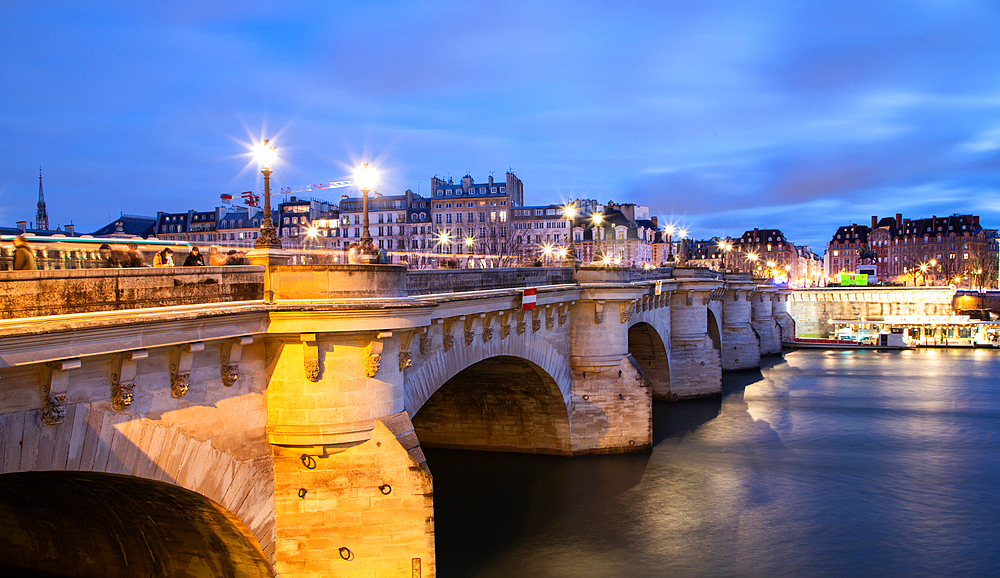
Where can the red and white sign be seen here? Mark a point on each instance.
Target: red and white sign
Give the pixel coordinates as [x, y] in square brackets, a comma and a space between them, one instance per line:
[659, 287]
[528, 298]
[226, 199]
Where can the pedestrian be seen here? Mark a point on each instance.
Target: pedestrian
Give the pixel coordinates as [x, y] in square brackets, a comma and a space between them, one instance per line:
[236, 258]
[215, 258]
[353, 257]
[194, 259]
[24, 257]
[164, 258]
[108, 259]
[134, 257]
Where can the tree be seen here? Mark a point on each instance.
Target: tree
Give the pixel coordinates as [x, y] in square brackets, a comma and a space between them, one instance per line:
[981, 267]
[496, 244]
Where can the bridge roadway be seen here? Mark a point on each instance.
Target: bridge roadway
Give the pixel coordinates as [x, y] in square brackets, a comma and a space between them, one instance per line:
[303, 419]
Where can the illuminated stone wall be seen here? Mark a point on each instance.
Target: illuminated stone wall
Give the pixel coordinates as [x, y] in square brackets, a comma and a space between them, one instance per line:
[812, 309]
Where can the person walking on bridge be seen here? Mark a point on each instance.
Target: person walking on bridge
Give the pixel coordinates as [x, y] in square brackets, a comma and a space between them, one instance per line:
[24, 257]
[194, 259]
[164, 258]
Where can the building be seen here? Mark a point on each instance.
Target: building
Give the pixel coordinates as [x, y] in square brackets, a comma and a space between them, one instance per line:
[624, 236]
[705, 253]
[305, 222]
[239, 227]
[477, 211]
[128, 226]
[937, 250]
[418, 220]
[195, 227]
[387, 215]
[540, 231]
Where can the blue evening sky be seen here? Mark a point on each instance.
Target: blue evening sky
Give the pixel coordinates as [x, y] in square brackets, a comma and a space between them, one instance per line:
[721, 116]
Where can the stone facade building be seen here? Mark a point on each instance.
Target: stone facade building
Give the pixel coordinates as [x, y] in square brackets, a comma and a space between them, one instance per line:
[936, 250]
[477, 211]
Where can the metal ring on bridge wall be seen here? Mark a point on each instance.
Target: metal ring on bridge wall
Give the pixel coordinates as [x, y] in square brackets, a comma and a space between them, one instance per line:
[386, 489]
[345, 553]
[302, 492]
[308, 461]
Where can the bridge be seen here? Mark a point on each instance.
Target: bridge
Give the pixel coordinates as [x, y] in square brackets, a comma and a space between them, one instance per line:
[287, 407]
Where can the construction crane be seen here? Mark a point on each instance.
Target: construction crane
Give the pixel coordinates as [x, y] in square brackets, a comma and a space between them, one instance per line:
[316, 187]
[253, 200]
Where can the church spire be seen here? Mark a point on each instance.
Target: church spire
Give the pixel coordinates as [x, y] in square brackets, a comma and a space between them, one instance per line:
[41, 216]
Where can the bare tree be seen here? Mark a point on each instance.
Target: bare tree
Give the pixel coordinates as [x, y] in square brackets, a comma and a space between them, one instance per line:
[981, 267]
[496, 243]
[912, 270]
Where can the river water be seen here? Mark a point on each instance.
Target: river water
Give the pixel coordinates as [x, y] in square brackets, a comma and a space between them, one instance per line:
[855, 463]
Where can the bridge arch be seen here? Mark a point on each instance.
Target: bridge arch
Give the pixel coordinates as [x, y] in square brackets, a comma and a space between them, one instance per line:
[501, 403]
[652, 354]
[94, 439]
[714, 329]
[426, 377]
[72, 523]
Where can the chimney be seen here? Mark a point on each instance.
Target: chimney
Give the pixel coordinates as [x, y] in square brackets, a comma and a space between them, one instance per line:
[874, 221]
[70, 230]
[22, 225]
[293, 199]
[491, 180]
[899, 220]
[654, 221]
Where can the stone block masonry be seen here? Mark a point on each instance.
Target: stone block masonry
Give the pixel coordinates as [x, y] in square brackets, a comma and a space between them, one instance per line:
[365, 511]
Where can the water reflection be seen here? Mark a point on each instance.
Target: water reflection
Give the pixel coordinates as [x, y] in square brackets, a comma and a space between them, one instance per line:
[844, 464]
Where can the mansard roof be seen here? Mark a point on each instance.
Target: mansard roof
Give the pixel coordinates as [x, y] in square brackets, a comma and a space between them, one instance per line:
[132, 225]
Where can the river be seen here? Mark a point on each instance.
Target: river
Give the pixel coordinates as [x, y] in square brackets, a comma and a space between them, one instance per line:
[847, 463]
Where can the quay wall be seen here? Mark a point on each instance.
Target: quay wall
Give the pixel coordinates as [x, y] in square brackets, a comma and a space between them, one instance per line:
[812, 309]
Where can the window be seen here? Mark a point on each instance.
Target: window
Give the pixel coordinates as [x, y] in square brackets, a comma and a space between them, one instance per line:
[458, 218]
[447, 205]
[447, 218]
[437, 219]
[437, 205]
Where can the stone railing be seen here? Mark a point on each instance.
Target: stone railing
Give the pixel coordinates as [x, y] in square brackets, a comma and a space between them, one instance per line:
[697, 273]
[431, 281]
[62, 291]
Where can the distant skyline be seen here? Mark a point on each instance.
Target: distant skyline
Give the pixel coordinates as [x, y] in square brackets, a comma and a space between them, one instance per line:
[721, 117]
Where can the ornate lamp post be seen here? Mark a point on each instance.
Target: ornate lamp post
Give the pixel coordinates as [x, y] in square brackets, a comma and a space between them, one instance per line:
[682, 255]
[669, 230]
[364, 176]
[597, 218]
[570, 213]
[471, 244]
[265, 154]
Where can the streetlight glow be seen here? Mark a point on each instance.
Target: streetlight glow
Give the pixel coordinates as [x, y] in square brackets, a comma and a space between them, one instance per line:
[365, 177]
[265, 154]
[569, 211]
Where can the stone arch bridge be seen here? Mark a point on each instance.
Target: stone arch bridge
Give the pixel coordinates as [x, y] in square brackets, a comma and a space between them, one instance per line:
[301, 419]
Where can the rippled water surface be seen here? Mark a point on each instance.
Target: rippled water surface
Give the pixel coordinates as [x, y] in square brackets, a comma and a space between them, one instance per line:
[822, 464]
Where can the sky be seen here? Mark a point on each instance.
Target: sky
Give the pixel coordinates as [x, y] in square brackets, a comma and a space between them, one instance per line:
[720, 116]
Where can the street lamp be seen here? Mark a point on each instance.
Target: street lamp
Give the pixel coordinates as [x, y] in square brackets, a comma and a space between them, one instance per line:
[597, 218]
[669, 230]
[265, 155]
[546, 253]
[682, 233]
[365, 177]
[470, 244]
[570, 212]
